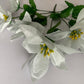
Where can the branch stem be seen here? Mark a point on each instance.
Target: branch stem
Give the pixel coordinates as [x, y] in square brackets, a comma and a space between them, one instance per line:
[65, 22]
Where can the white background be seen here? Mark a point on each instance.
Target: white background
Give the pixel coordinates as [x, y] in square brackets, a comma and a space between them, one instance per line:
[13, 56]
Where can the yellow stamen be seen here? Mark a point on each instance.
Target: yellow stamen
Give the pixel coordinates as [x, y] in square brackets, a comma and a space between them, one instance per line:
[79, 30]
[75, 38]
[79, 36]
[75, 34]
[48, 54]
[74, 31]
[5, 17]
[45, 55]
[51, 51]
[45, 50]
[72, 38]
[82, 33]
[44, 44]
[41, 45]
[41, 49]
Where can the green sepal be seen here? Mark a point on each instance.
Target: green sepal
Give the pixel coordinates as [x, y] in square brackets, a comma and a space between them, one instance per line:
[66, 12]
[72, 22]
[77, 10]
[29, 9]
[69, 4]
[40, 19]
[32, 3]
[22, 15]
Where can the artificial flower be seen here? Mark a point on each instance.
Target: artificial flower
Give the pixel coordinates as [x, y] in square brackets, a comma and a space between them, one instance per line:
[6, 16]
[44, 50]
[75, 37]
[5, 19]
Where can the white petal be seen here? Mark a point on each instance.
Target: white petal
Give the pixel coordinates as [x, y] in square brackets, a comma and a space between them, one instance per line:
[1, 16]
[79, 25]
[39, 66]
[67, 50]
[82, 48]
[31, 34]
[9, 17]
[38, 26]
[57, 58]
[58, 36]
[82, 45]
[14, 5]
[27, 17]
[15, 36]
[80, 16]
[2, 11]
[76, 43]
[14, 27]
[66, 42]
[18, 21]
[31, 48]
[3, 26]
[82, 37]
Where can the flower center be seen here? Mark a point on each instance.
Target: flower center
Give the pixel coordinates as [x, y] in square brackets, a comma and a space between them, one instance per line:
[45, 50]
[5, 17]
[75, 34]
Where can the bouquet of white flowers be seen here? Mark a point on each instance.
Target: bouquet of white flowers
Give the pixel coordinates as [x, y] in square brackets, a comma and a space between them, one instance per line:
[45, 45]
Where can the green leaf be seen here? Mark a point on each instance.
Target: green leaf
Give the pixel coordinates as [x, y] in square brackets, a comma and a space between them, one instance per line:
[77, 10]
[22, 15]
[54, 29]
[66, 12]
[55, 16]
[69, 4]
[32, 3]
[72, 22]
[29, 9]
[41, 19]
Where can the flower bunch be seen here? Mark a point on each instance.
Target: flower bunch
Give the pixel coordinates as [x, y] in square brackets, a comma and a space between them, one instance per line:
[45, 45]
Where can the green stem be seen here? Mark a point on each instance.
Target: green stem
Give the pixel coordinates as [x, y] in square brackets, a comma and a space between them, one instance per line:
[15, 17]
[51, 23]
[21, 8]
[67, 18]
[50, 39]
[65, 22]
[44, 13]
[44, 10]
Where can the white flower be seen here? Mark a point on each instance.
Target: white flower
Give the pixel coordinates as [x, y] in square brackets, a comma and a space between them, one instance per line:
[43, 49]
[5, 19]
[75, 37]
[15, 5]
